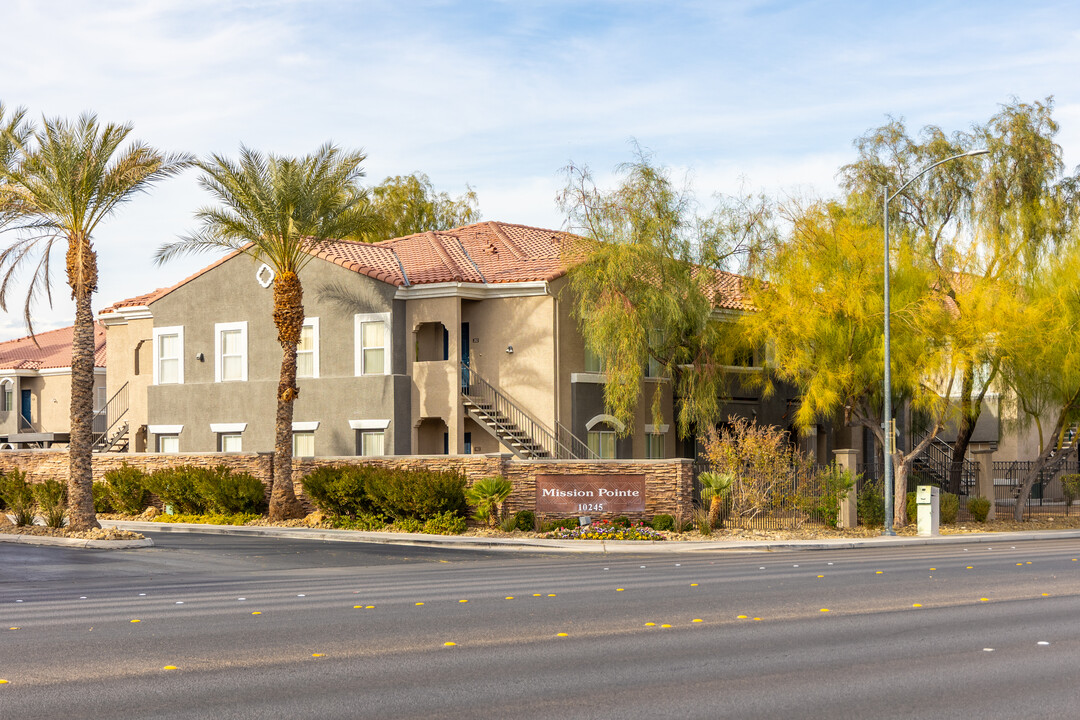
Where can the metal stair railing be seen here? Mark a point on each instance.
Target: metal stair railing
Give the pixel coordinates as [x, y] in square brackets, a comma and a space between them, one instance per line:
[578, 448]
[513, 422]
[109, 417]
[937, 458]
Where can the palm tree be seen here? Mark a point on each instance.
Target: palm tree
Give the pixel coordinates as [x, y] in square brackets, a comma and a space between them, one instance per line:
[64, 179]
[276, 210]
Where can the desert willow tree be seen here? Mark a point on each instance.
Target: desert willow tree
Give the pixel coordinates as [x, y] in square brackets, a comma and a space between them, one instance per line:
[1041, 361]
[645, 278]
[981, 224]
[821, 313]
[279, 210]
[63, 180]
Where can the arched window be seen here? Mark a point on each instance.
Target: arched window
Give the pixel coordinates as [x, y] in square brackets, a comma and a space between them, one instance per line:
[601, 434]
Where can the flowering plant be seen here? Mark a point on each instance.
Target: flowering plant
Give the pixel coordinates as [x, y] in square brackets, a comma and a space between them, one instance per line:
[605, 530]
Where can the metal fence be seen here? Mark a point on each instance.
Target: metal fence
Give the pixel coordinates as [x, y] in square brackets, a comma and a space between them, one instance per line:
[781, 503]
[1047, 496]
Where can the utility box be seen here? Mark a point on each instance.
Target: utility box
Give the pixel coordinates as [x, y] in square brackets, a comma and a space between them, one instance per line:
[928, 508]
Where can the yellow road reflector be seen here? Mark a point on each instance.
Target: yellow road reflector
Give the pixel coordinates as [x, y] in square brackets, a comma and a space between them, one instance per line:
[880, 572]
[693, 584]
[169, 667]
[757, 619]
[551, 594]
[697, 620]
[256, 613]
[316, 654]
[13, 628]
[650, 624]
[619, 589]
[821, 576]
[824, 609]
[1046, 594]
[536, 594]
[357, 607]
[461, 601]
[136, 620]
[509, 597]
[3, 682]
[969, 567]
[563, 635]
[741, 617]
[665, 626]
[933, 568]
[418, 604]
[916, 605]
[984, 599]
[1028, 562]
[449, 644]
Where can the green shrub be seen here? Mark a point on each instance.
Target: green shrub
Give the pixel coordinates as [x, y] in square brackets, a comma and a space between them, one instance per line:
[949, 508]
[230, 493]
[871, 506]
[446, 523]
[209, 518]
[178, 489]
[820, 496]
[508, 523]
[1070, 486]
[417, 494]
[621, 522]
[979, 507]
[51, 497]
[488, 495]
[525, 520]
[912, 507]
[364, 521]
[338, 491]
[18, 497]
[127, 489]
[408, 525]
[702, 521]
[102, 502]
[663, 521]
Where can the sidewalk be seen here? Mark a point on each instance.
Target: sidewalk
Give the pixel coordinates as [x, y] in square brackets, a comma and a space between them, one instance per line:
[459, 542]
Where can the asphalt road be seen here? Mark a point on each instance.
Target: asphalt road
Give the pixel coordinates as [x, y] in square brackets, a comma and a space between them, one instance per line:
[265, 628]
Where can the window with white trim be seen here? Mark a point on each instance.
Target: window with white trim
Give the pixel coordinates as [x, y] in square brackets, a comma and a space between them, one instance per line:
[230, 442]
[602, 443]
[168, 443]
[372, 344]
[169, 355]
[7, 401]
[372, 443]
[303, 444]
[100, 397]
[654, 446]
[307, 350]
[230, 352]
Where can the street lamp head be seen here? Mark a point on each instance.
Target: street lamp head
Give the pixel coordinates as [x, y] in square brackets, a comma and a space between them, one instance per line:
[973, 153]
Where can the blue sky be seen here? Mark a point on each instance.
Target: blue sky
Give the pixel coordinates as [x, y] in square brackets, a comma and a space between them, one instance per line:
[501, 95]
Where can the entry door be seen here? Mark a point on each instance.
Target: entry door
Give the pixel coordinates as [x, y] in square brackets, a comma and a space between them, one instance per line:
[465, 355]
[26, 406]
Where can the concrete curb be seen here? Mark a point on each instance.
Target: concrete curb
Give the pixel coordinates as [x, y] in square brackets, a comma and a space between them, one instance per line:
[75, 542]
[586, 546]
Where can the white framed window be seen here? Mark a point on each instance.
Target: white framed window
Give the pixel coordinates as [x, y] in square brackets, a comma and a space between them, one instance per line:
[307, 350]
[303, 443]
[594, 362]
[654, 446]
[168, 443]
[230, 352]
[602, 442]
[230, 442]
[100, 397]
[7, 395]
[372, 443]
[169, 355]
[372, 344]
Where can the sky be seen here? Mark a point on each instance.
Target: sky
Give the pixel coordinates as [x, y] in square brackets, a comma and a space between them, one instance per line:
[502, 95]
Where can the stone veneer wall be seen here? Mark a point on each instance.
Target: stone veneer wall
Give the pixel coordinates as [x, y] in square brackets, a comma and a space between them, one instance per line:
[668, 483]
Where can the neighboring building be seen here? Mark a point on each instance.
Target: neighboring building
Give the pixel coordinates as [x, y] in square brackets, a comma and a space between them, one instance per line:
[35, 388]
[443, 342]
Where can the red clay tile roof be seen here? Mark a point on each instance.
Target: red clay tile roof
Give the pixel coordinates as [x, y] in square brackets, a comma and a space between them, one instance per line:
[485, 252]
[53, 350]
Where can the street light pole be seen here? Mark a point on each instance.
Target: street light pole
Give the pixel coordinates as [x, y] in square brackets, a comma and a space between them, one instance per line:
[888, 424]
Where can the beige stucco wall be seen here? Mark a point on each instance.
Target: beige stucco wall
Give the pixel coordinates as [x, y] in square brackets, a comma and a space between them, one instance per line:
[131, 358]
[436, 384]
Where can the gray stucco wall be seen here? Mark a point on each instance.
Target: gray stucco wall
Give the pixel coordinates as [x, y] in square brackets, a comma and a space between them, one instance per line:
[230, 293]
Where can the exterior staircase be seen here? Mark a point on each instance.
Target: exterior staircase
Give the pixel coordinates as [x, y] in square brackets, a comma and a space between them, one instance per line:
[110, 426]
[935, 462]
[527, 437]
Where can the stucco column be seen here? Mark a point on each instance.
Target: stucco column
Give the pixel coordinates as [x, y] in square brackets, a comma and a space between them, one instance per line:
[985, 487]
[847, 459]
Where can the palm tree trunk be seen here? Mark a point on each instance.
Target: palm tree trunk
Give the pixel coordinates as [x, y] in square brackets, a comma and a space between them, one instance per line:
[80, 449]
[289, 319]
